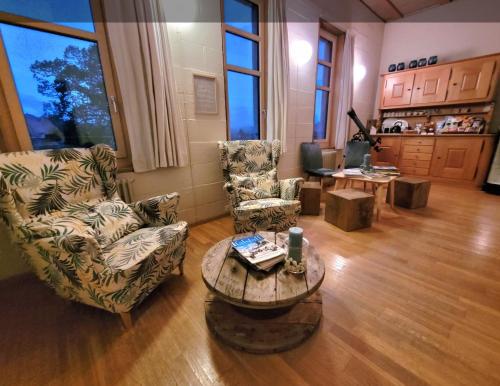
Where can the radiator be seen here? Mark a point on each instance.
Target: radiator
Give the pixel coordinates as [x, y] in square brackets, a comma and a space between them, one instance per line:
[329, 159]
[125, 189]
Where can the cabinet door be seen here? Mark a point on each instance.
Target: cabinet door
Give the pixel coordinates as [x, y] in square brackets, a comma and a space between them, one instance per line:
[389, 152]
[471, 80]
[456, 158]
[397, 89]
[431, 85]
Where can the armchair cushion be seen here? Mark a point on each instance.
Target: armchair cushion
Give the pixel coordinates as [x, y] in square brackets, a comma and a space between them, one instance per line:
[106, 220]
[42, 182]
[256, 186]
[158, 211]
[130, 250]
[111, 220]
[290, 188]
[269, 213]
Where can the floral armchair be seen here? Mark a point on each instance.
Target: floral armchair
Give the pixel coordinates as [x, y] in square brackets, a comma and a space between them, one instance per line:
[77, 234]
[258, 200]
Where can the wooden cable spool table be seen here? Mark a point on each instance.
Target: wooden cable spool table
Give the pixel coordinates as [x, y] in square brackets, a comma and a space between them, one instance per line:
[261, 312]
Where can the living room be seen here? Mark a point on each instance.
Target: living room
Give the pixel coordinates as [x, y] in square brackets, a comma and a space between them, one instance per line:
[144, 143]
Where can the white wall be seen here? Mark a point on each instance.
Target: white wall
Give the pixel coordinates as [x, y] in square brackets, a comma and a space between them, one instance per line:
[414, 38]
[303, 17]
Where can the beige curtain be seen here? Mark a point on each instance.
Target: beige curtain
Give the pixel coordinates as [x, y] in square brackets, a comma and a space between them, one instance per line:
[345, 93]
[141, 53]
[277, 72]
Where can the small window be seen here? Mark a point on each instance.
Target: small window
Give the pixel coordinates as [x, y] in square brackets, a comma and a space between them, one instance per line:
[72, 13]
[60, 86]
[243, 15]
[324, 87]
[243, 69]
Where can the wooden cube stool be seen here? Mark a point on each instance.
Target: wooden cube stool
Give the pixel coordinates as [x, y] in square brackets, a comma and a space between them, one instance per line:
[349, 209]
[410, 192]
[310, 198]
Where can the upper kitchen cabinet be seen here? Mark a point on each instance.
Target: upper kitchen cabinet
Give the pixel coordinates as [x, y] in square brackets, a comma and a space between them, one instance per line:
[397, 89]
[461, 82]
[430, 85]
[471, 80]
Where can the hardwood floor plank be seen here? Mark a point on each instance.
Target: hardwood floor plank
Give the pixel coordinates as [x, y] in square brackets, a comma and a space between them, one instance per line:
[413, 300]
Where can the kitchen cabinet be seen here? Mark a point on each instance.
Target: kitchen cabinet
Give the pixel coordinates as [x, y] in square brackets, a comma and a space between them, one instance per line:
[389, 151]
[416, 155]
[461, 82]
[430, 85]
[457, 158]
[471, 80]
[398, 89]
[444, 157]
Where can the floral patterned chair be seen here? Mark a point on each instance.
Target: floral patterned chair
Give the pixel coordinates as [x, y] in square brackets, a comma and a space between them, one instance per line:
[258, 200]
[77, 234]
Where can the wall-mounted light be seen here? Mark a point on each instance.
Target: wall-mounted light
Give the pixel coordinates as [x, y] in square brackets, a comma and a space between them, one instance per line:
[301, 52]
[359, 73]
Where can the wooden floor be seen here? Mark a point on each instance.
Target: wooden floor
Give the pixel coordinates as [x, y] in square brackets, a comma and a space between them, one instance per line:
[414, 300]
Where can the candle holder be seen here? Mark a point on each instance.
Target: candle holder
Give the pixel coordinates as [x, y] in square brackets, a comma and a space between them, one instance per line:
[293, 265]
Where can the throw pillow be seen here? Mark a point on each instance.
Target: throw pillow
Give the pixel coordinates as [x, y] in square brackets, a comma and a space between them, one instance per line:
[111, 220]
[256, 186]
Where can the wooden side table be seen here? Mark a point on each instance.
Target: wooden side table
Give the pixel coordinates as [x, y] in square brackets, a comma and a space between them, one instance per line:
[410, 192]
[310, 198]
[378, 185]
[261, 312]
[349, 209]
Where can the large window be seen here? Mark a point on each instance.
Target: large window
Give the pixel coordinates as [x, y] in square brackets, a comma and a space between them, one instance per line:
[57, 82]
[243, 37]
[324, 87]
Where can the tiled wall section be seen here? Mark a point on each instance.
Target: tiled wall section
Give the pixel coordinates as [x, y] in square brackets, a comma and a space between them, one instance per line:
[196, 48]
[303, 16]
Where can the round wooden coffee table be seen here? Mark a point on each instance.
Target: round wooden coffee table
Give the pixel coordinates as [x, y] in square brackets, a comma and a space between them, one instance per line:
[261, 312]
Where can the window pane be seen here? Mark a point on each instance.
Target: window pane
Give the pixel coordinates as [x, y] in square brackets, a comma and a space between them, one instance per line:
[320, 114]
[325, 50]
[72, 13]
[60, 86]
[242, 14]
[242, 52]
[243, 100]
[323, 76]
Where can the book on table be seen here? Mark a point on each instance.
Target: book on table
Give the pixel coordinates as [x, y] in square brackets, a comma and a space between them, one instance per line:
[258, 252]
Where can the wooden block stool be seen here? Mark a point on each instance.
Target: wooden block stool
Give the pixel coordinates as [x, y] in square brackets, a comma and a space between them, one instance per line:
[410, 192]
[310, 198]
[349, 209]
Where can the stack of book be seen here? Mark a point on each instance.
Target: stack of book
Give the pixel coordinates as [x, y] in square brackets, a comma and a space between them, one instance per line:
[258, 252]
[386, 170]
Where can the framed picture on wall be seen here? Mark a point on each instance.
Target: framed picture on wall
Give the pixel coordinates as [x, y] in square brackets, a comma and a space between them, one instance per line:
[205, 93]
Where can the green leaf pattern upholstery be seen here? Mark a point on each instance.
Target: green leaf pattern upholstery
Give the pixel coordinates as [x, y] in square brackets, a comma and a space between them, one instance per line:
[78, 236]
[244, 161]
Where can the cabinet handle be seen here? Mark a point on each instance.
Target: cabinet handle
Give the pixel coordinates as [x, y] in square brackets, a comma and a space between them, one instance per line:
[455, 84]
[409, 89]
[418, 88]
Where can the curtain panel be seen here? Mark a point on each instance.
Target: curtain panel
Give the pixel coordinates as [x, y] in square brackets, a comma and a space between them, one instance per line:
[345, 93]
[278, 73]
[141, 53]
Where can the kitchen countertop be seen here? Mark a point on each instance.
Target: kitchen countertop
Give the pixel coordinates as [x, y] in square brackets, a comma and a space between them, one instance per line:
[433, 136]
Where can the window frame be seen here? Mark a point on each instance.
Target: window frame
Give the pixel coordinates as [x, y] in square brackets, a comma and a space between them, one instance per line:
[261, 73]
[14, 130]
[335, 40]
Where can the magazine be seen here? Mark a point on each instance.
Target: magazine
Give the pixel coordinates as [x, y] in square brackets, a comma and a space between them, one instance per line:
[258, 251]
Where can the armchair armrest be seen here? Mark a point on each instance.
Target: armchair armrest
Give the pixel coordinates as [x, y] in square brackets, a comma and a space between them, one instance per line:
[290, 188]
[66, 261]
[158, 211]
[231, 194]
